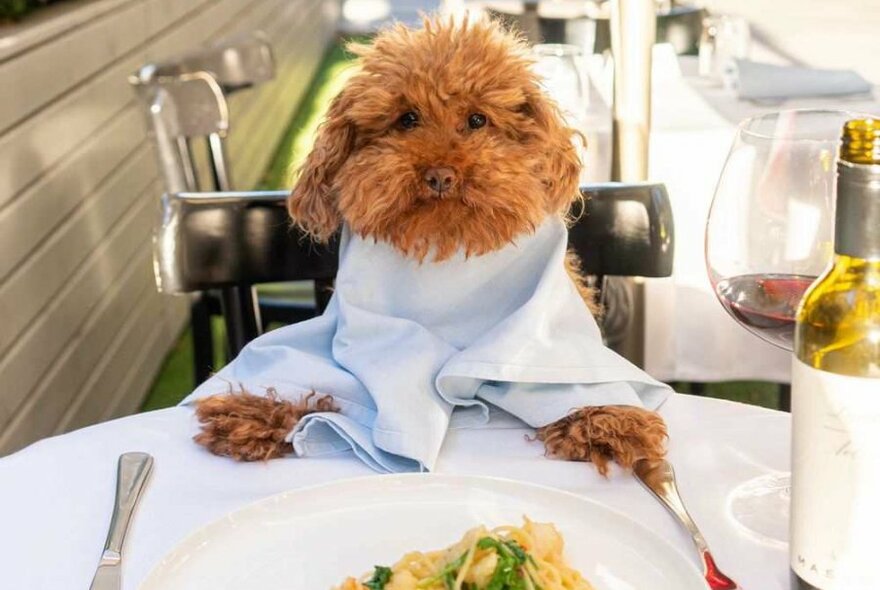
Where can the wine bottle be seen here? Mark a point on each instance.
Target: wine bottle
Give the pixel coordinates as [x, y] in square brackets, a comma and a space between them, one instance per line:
[835, 508]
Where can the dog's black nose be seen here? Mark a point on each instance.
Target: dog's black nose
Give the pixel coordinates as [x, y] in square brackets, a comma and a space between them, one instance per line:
[439, 179]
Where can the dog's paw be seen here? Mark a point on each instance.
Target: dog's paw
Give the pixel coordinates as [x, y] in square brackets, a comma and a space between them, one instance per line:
[602, 434]
[249, 427]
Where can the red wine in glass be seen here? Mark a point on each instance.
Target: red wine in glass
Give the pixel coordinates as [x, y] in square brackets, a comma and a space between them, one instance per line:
[766, 304]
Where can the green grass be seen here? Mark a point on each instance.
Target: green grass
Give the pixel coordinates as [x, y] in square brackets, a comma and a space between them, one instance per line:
[300, 134]
[12, 11]
[757, 393]
[175, 379]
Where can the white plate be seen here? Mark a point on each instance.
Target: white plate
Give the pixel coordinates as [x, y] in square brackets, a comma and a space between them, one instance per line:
[313, 538]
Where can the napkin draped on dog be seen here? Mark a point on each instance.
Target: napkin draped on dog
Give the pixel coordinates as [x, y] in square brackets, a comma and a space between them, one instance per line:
[408, 349]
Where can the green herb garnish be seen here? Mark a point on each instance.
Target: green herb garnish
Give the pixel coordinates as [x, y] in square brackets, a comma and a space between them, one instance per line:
[448, 574]
[381, 576]
[510, 572]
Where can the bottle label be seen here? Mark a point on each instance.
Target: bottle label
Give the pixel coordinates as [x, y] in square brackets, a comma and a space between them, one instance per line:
[835, 506]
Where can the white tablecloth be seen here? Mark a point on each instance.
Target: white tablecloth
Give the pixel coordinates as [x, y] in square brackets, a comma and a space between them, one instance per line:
[56, 495]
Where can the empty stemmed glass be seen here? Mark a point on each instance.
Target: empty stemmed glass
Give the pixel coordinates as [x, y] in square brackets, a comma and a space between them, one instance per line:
[562, 71]
[768, 236]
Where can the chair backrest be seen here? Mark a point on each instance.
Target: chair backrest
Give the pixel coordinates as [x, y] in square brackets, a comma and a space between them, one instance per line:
[185, 98]
[245, 238]
[178, 109]
[626, 230]
[216, 240]
[195, 105]
[236, 62]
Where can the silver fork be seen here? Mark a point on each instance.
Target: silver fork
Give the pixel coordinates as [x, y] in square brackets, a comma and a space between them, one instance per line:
[658, 477]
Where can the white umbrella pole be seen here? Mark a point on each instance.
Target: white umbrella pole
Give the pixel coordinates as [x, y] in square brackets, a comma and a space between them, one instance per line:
[633, 32]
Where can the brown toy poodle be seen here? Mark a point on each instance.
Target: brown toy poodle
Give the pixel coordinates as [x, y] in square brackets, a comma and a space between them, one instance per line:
[443, 140]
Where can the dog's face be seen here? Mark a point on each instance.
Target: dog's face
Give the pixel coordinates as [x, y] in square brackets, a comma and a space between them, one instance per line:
[442, 140]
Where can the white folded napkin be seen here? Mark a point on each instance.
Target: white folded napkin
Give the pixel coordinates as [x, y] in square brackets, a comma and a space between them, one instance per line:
[759, 81]
[409, 350]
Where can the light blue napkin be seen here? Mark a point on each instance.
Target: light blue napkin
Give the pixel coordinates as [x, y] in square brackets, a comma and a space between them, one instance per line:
[762, 81]
[409, 350]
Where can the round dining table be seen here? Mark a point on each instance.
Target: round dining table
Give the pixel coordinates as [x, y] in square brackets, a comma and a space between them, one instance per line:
[56, 495]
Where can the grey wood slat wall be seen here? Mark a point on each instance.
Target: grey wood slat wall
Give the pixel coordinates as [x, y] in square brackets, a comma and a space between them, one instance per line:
[82, 329]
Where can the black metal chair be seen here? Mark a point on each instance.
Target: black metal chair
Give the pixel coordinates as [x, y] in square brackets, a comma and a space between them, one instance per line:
[185, 100]
[242, 239]
[232, 241]
[626, 230]
[681, 26]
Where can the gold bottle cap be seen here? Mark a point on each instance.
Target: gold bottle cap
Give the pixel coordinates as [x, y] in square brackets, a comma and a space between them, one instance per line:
[860, 143]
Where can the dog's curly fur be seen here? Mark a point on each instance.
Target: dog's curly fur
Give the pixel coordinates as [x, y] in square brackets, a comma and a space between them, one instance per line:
[250, 427]
[606, 433]
[409, 109]
[367, 170]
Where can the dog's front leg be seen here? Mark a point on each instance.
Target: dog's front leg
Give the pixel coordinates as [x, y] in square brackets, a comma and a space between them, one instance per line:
[602, 434]
[250, 427]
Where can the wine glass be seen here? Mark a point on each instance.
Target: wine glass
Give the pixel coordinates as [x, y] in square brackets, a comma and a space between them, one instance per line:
[563, 72]
[768, 236]
[561, 69]
[725, 39]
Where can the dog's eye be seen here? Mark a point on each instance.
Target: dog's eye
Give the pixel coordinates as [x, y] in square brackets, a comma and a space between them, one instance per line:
[476, 120]
[409, 120]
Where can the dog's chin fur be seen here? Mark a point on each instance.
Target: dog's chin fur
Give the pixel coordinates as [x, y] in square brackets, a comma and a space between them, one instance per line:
[368, 171]
[438, 228]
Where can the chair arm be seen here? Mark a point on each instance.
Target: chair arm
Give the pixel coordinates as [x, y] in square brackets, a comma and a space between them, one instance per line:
[212, 240]
[625, 230]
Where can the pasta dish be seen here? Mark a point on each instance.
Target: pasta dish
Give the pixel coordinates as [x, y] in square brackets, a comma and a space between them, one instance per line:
[529, 557]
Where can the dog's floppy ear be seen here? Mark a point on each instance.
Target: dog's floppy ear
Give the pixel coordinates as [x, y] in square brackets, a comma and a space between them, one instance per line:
[561, 171]
[313, 203]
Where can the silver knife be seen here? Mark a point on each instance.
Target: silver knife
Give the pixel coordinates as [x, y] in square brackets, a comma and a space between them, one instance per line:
[131, 475]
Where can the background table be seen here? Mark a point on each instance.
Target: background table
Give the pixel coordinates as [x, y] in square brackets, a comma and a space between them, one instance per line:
[56, 495]
[688, 335]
